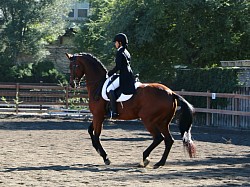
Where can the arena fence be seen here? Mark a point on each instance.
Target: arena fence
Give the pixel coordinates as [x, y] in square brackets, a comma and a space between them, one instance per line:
[41, 98]
[52, 98]
[236, 114]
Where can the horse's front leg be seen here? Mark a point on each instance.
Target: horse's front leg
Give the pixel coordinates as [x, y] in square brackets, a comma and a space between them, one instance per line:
[91, 133]
[95, 137]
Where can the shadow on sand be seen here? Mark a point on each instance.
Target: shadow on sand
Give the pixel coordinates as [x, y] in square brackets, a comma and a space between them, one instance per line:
[200, 133]
[210, 168]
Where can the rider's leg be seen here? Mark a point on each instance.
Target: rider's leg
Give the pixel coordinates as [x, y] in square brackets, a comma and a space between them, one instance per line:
[115, 84]
[113, 103]
[112, 97]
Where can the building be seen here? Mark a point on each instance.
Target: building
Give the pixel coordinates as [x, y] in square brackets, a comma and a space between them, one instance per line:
[80, 12]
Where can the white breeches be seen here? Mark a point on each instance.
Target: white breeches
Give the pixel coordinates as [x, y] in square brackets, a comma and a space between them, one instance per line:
[115, 84]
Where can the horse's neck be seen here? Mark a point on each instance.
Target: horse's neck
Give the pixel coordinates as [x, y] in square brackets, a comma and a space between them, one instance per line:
[95, 74]
[94, 78]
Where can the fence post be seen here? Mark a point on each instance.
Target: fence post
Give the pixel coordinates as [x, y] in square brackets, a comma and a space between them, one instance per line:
[67, 97]
[236, 106]
[41, 106]
[208, 115]
[17, 97]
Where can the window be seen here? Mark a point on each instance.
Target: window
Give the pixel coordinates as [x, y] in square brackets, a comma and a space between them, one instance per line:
[79, 11]
[82, 13]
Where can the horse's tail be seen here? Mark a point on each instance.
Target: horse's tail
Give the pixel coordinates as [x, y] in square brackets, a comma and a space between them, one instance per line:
[185, 124]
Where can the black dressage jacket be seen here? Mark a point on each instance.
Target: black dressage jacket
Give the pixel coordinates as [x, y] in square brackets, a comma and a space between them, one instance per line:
[127, 79]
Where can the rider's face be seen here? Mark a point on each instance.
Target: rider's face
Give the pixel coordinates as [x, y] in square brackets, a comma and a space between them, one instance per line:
[117, 44]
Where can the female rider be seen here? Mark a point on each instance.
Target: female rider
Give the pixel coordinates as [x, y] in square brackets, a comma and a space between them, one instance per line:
[126, 79]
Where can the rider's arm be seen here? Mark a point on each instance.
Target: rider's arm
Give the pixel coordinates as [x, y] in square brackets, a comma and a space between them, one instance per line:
[118, 62]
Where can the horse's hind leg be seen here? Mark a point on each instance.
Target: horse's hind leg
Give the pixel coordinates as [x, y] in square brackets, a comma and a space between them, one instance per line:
[157, 139]
[168, 139]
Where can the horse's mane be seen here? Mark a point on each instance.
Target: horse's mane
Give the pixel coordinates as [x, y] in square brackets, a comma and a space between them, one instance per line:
[93, 59]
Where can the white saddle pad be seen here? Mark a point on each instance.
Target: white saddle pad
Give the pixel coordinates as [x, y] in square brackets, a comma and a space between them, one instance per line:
[122, 97]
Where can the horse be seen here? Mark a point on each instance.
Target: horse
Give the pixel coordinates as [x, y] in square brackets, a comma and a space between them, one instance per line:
[153, 103]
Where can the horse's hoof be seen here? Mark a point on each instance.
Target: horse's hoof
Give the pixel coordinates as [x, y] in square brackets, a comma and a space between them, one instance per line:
[107, 162]
[158, 165]
[144, 163]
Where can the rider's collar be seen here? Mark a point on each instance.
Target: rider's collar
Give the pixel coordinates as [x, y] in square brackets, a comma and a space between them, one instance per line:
[119, 48]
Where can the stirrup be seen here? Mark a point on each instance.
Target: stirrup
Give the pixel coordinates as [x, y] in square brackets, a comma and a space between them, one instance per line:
[112, 115]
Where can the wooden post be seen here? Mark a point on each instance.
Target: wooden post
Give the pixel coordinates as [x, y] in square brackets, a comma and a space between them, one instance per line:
[208, 115]
[236, 108]
[17, 97]
[41, 106]
[67, 97]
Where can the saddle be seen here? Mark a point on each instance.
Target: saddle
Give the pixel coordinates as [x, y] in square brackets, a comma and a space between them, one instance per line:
[120, 96]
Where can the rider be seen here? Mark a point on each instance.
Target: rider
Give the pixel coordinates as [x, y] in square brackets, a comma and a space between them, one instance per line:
[126, 79]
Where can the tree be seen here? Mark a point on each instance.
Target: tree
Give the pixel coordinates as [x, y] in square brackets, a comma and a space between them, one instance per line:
[27, 26]
[165, 33]
[92, 36]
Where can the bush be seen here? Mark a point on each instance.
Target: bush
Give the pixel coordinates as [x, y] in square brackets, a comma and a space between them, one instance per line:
[6, 73]
[224, 80]
[216, 80]
[31, 73]
[46, 72]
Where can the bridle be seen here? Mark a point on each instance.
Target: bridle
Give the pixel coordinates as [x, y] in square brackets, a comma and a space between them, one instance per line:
[74, 67]
[76, 81]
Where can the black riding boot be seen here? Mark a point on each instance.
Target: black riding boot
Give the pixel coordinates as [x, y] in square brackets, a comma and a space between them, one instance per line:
[113, 113]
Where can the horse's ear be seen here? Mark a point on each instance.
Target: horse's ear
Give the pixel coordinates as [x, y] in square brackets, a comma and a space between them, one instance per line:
[68, 55]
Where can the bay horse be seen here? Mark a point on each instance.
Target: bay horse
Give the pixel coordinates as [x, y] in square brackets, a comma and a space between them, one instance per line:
[154, 103]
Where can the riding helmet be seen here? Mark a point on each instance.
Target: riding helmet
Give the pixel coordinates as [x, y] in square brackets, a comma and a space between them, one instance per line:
[121, 37]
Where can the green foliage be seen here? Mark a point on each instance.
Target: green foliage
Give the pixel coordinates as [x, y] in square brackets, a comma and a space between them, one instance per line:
[46, 72]
[150, 71]
[214, 80]
[92, 36]
[76, 103]
[165, 33]
[29, 25]
[5, 101]
[26, 27]
[220, 80]
[16, 100]
[6, 73]
[32, 72]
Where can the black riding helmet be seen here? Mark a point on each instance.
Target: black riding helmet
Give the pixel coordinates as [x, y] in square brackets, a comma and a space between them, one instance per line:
[121, 37]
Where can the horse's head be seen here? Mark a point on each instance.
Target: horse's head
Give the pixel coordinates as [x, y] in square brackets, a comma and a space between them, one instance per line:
[76, 70]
